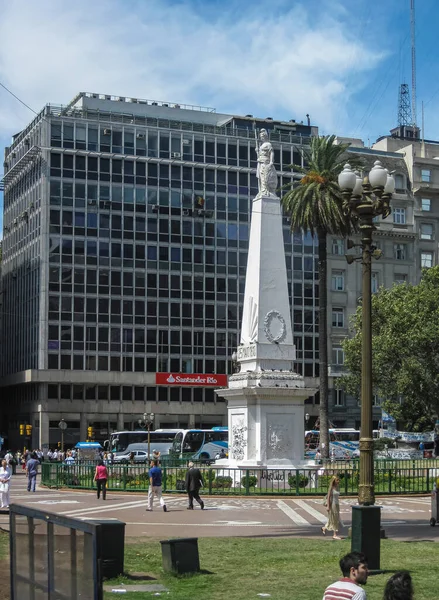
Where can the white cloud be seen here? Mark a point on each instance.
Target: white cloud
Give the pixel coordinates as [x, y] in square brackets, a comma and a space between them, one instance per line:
[283, 62]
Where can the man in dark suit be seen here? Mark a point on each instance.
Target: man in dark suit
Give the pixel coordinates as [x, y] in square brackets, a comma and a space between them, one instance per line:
[194, 481]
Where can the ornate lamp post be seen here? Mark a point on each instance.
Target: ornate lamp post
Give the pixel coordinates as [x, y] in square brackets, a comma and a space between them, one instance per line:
[148, 420]
[365, 199]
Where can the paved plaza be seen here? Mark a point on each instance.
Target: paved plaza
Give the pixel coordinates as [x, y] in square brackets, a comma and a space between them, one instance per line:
[403, 518]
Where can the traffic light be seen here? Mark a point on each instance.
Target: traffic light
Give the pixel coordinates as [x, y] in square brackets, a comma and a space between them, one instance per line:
[90, 433]
[21, 429]
[59, 444]
[28, 430]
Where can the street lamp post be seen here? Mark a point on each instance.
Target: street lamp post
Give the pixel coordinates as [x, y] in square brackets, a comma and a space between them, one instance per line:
[364, 200]
[63, 426]
[148, 419]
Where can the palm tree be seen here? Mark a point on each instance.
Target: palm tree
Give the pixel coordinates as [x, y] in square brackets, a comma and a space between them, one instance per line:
[314, 206]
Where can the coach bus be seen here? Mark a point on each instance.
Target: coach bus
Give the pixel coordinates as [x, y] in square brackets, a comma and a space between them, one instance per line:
[204, 444]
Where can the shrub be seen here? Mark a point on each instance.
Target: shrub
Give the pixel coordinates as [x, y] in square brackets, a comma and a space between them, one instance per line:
[249, 480]
[224, 482]
[301, 480]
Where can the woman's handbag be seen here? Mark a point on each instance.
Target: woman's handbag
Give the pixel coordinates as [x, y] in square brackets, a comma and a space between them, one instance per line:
[4, 487]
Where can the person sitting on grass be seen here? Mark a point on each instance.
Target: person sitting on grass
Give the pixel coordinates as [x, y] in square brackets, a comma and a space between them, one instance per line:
[399, 587]
[355, 571]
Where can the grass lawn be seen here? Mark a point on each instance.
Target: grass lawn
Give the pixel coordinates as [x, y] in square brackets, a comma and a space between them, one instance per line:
[286, 568]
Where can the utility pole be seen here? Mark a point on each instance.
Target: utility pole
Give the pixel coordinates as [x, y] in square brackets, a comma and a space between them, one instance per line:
[413, 36]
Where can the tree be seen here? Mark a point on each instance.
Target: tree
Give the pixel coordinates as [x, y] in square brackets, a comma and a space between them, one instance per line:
[405, 351]
[314, 206]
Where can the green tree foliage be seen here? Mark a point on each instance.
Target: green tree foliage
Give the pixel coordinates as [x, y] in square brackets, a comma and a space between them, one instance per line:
[405, 351]
[314, 206]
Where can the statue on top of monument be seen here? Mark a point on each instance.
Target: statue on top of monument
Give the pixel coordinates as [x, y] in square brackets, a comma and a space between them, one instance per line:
[266, 173]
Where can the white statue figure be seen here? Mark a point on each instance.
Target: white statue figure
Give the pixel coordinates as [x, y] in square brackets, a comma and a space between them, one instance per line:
[266, 173]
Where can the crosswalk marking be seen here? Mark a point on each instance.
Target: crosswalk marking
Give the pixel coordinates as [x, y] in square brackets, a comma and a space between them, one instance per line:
[291, 513]
[312, 511]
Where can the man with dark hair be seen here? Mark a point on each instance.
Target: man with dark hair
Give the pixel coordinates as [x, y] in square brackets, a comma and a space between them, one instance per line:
[155, 485]
[194, 481]
[31, 471]
[354, 569]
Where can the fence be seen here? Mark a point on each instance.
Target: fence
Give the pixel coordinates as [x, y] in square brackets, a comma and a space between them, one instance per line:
[53, 556]
[247, 482]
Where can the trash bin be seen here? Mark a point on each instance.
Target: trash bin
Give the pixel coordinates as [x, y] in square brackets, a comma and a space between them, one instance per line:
[434, 506]
[180, 556]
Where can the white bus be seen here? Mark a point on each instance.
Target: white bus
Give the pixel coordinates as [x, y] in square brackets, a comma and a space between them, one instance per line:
[203, 444]
[343, 442]
[160, 439]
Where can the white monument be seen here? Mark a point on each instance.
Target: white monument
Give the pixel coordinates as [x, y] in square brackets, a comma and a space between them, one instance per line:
[266, 398]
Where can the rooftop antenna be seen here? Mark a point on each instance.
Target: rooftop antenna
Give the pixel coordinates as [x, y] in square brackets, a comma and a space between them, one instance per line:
[412, 28]
[404, 110]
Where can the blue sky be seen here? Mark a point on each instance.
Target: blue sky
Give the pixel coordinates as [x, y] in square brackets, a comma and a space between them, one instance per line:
[340, 61]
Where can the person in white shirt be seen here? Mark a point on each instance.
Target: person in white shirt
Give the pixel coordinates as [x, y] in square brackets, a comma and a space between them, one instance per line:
[5, 477]
[355, 571]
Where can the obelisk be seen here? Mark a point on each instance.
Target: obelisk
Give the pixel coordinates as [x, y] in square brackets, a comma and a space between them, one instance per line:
[266, 398]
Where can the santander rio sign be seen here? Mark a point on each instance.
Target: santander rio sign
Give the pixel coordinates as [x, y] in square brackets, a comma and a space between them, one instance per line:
[191, 379]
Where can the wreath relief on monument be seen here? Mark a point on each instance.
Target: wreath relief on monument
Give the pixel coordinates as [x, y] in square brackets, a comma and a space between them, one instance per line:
[239, 440]
[279, 336]
[278, 438]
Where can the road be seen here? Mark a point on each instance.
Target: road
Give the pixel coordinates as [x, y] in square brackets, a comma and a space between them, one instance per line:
[403, 518]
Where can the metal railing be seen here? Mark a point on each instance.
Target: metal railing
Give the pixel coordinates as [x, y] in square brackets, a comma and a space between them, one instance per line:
[53, 556]
[393, 479]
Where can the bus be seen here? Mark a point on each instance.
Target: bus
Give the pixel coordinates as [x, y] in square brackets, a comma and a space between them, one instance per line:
[160, 439]
[343, 442]
[204, 444]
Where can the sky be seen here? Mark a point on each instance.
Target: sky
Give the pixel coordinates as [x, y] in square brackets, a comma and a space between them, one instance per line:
[340, 61]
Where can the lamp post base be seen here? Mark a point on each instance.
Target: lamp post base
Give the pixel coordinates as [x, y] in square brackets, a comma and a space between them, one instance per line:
[366, 533]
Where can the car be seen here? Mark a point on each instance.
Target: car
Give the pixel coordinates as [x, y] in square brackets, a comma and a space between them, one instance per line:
[140, 456]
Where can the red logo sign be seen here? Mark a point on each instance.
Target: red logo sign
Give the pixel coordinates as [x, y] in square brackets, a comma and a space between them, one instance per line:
[191, 379]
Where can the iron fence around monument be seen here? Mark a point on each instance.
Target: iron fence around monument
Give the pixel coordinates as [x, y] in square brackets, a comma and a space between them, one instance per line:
[53, 556]
[394, 479]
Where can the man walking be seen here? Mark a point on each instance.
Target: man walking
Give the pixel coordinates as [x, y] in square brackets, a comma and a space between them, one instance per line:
[31, 471]
[354, 569]
[155, 485]
[194, 481]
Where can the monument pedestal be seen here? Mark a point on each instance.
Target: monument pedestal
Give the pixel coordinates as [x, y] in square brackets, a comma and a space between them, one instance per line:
[266, 421]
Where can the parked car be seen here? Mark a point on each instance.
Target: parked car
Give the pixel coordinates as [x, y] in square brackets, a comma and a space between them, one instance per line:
[140, 456]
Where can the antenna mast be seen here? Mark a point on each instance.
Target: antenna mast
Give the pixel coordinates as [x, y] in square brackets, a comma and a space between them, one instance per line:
[412, 28]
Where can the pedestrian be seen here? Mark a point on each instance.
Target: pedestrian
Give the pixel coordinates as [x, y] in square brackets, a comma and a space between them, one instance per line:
[156, 455]
[101, 478]
[399, 587]
[221, 454]
[355, 571]
[332, 501]
[194, 481]
[5, 482]
[155, 485]
[132, 455]
[32, 471]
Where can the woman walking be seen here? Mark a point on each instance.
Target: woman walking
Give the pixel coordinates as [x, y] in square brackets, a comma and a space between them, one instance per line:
[333, 509]
[101, 476]
[5, 477]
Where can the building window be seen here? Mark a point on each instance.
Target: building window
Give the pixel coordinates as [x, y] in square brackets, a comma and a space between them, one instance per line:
[337, 281]
[338, 246]
[374, 283]
[426, 231]
[426, 204]
[426, 259]
[399, 183]
[426, 175]
[399, 216]
[400, 277]
[400, 251]
[376, 400]
[338, 317]
[337, 355]
[339, 398]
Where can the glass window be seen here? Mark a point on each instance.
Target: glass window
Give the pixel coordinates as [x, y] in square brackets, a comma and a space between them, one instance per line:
[338, 246]
[337, 281]
[374, 283]
[426, 259]
[426, 175]
[426, 231]
[400, 277]
[399, 216]
[339, 397]
[400, 251]
[337, 356]
[400, 182]
[426, 204]
[338, 317]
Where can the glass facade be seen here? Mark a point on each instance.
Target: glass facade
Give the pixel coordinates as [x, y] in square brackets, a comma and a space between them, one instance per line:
[143, 251]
